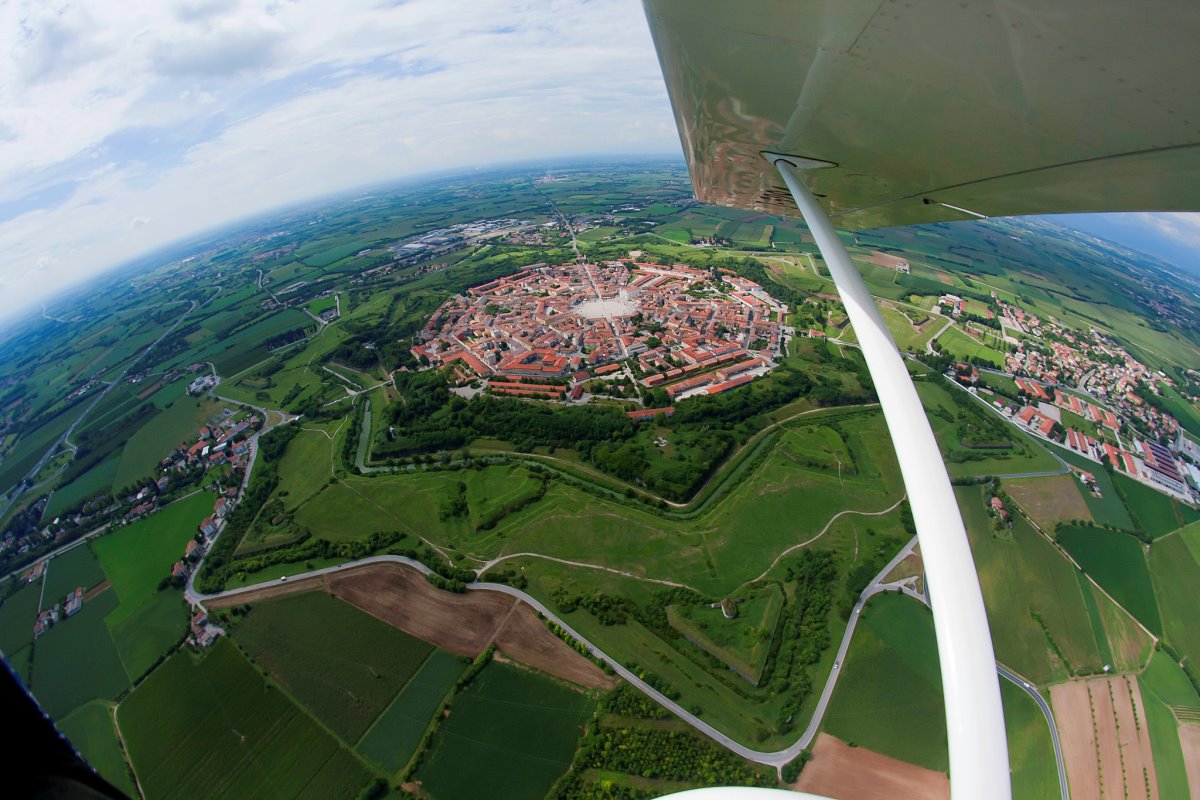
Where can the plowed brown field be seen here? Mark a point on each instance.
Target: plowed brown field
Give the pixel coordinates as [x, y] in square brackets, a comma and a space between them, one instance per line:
[1105, 742]
[461, 623]
[839, 770]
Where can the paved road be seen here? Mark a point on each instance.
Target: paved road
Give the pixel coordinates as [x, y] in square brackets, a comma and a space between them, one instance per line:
[776, 758]
[1032, 691]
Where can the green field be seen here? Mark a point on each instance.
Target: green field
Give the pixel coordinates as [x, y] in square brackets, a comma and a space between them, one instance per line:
[135, 558]
[394, 737]
[1030, 749]
[1024, 579]
[17, 617]
[742, 642]
[96, 480]
[1155, 512]
[61, 682]
[962, 346]
[343, 665]
[508, 722]
[1169, 683]
[1117, 562]
[889, 697]
[1165, 746]
[174, 427]
[75, 568]
[229, 734]
[90, 730]
[157, 625]
[1176, 576]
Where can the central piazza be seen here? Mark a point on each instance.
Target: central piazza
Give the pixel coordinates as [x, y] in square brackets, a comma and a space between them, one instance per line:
[544, 330]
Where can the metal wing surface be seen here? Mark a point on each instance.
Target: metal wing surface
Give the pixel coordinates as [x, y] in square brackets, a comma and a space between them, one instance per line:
[1001, 107]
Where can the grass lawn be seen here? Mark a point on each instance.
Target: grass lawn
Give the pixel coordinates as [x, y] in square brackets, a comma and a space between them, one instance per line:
[1030, 749]
[962, 346]
[1157, 513]
[742, 642]
[138, 556]
[17, 616]
[176, 425]
[889, 697]
[507, 722]
[90, 730]
[75, 568]
[76, 660]
[1023, 575]
[343, 665]
[304, 468]
[1118, 563]
[394, 737]
[215, 728]
[1176, 577]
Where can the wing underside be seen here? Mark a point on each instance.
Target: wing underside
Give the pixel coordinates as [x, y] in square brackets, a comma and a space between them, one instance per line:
[926, 107]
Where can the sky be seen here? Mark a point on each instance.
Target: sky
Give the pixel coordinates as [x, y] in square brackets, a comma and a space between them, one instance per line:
[125, 126]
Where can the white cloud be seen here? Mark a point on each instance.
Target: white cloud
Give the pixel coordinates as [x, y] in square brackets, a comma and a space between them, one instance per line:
[199, 113]
[1182, 227]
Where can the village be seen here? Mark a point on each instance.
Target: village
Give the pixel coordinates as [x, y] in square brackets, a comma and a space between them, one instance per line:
[1172, 469]
[545, 331]
[222, 452]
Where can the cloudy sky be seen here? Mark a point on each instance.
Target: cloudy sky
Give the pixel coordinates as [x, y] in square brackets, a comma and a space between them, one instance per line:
[127, 125]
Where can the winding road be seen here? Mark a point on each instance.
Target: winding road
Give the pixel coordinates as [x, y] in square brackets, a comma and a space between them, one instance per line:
[776, 758]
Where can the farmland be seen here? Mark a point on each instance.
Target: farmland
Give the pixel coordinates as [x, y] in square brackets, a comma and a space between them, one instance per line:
[1039, 622]
[57, 681]
[90, 730]
[341, 664]
[75, 568]
[135, 558]
[508, 722]
[175, 426]
[1050, 500]
[394, 737]
[775, 495]
[232, 735]
[17, 616]
[1118, 564]
[1154, 512]
[1175, 573]
[889, 697]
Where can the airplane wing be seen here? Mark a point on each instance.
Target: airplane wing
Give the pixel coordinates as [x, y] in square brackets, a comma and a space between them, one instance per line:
[930, 109]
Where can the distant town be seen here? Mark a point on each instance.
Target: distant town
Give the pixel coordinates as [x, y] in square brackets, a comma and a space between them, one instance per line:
[545, 331]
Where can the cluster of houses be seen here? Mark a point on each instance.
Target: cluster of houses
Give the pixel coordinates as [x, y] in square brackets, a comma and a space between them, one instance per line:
[1090, 362]
[576, 321]
[1172, 470]
[956, 306]
[996, 505]
[69, 607]
[223, 440]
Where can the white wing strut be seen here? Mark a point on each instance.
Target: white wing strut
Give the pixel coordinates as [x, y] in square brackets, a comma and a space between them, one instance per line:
[974, 717]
